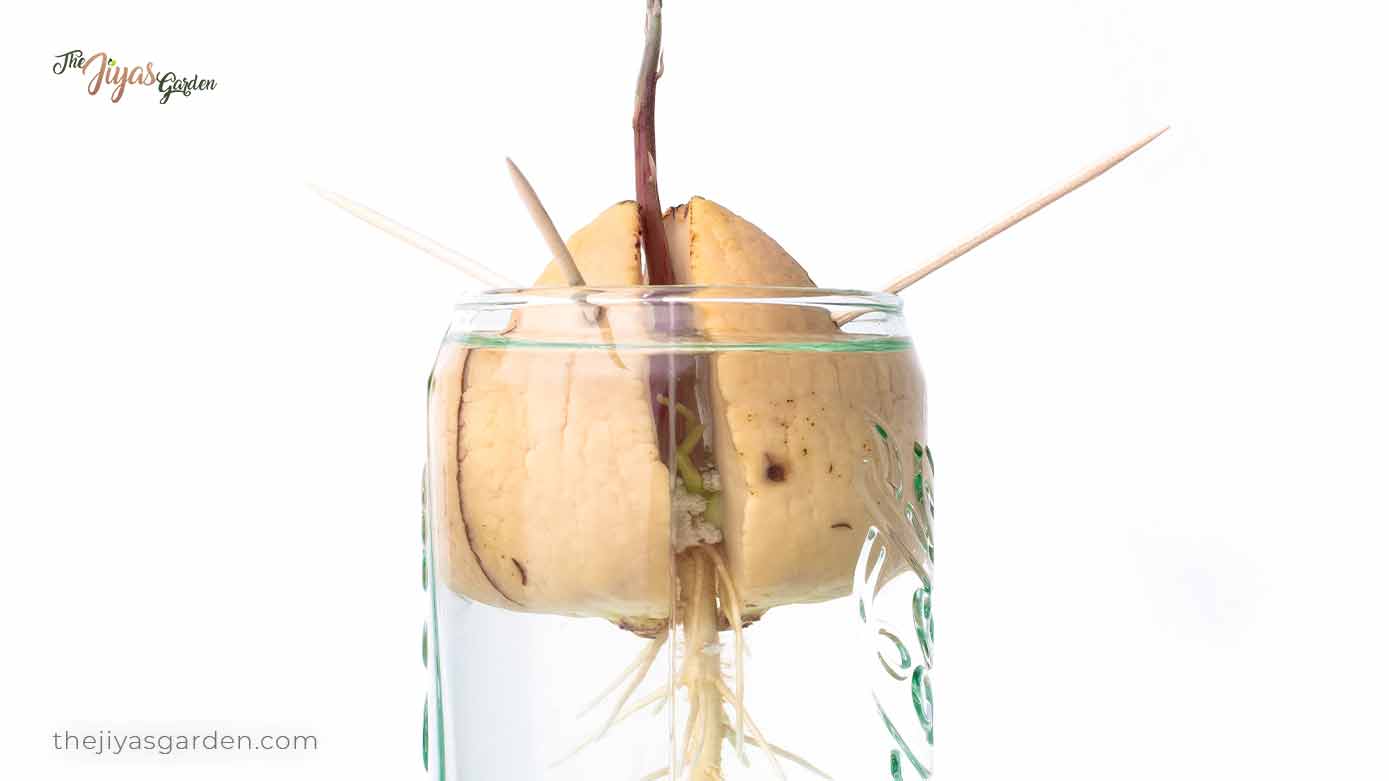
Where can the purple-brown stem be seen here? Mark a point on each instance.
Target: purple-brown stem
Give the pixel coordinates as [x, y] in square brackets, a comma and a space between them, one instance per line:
[653, 234]
[672, 374]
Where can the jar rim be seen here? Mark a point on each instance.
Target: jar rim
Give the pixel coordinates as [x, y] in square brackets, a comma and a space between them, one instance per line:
[889, 303]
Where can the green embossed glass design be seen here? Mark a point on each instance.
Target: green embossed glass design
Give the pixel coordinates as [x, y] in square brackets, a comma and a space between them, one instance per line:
[892, 583]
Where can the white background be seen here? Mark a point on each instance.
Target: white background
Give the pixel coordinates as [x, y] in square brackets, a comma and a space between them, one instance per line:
[1158, 408]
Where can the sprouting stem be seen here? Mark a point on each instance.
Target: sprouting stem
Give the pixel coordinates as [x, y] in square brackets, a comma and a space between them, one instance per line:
[713, 510]
[653, 232]
[684, 412]
[689, 473]
[694, 481]
[692, 438]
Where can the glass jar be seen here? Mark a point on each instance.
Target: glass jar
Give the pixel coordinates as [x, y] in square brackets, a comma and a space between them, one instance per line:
[678, 532]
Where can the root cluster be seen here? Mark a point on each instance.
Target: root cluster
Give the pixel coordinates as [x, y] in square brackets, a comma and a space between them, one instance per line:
[716, 713]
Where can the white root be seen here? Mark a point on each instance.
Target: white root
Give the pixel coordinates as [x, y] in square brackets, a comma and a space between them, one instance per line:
[657, 698]
[757, 736]
[731, 603]
[651, 650]
[694, 744]
[642, 666]
[701, 675]
[779, 751]
[648, 659]
[709, 593]
[691, 724]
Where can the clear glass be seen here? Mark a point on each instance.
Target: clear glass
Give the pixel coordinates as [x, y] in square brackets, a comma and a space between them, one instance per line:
[678, 532]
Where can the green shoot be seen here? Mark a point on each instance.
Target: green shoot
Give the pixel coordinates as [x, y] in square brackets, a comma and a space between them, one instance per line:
[694, 481]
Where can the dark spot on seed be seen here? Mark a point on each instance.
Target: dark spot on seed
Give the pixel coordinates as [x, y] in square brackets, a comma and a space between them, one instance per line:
[775, 472]
[521, 570]
[805, 451]
[841, 525]
[830, 471]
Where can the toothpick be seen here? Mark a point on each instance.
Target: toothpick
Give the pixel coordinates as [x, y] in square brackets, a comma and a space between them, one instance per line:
[417, 240]
[1089, 174]
[546, 226]
[935, 264]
